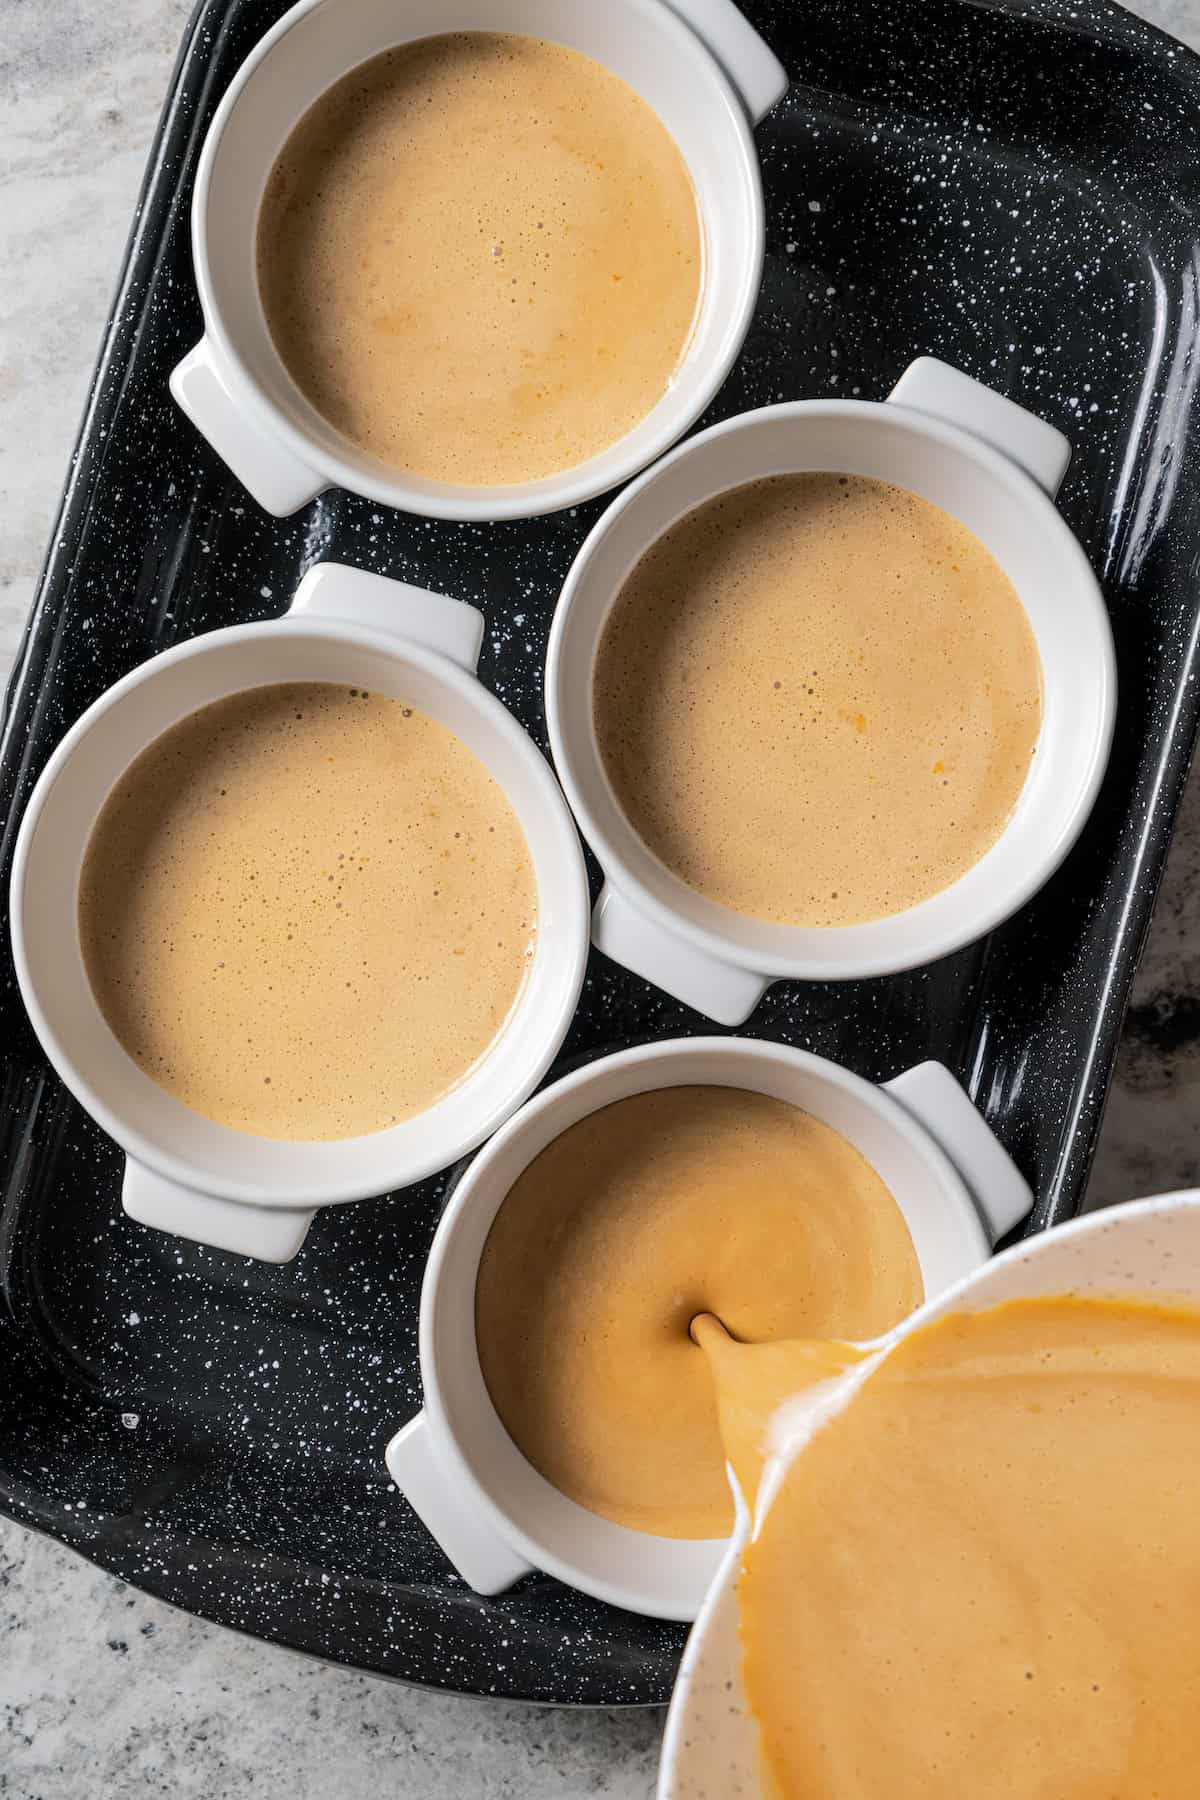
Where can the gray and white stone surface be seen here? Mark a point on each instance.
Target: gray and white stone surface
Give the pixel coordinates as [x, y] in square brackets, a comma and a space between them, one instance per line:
[104, 1692]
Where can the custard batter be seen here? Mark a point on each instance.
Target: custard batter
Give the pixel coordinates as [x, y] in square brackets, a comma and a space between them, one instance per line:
[480, 257]
[307, 910]
[981, 1577]
[630, 1223]
[817, 698]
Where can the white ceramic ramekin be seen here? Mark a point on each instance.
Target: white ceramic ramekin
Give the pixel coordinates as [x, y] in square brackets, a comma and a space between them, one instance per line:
[701, 67]
[185, 1173]
[1149, 1249]
[489, 1509]
[991, 465]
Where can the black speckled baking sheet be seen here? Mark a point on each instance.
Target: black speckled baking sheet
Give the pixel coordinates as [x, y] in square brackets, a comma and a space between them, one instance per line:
[1014, 187]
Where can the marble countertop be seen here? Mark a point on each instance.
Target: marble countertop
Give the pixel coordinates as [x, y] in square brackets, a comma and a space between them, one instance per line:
[102, 1690]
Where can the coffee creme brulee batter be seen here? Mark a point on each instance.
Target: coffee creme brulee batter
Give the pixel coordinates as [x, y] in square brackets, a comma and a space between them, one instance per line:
[634, 1220]
[306, 911]
[817, 698]
[980, 1576]
[480, 257]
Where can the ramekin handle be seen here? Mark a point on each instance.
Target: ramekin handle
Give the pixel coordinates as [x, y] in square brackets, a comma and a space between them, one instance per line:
[719, 989]
[279, 481]
[933, 387]
[751, 65]
[272, 1234]
[480, 1555]
[351, 596]
[931, 1094]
